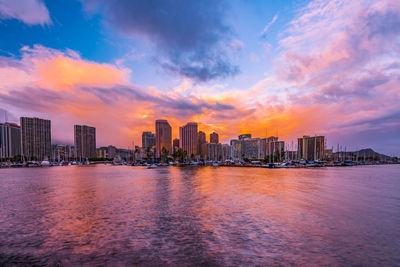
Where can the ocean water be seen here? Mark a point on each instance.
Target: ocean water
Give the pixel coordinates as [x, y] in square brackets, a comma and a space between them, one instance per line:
[224, 216]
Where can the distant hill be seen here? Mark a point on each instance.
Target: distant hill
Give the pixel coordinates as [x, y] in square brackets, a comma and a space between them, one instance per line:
[367, 154]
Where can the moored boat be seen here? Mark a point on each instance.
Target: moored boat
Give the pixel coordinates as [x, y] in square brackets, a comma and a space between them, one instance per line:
[151, 166]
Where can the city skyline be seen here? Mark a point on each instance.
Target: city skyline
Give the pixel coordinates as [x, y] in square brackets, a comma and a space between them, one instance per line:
[290, 69]
[35, 133]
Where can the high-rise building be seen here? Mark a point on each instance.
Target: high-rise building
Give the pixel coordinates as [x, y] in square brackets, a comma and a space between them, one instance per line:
[163, 137]
[311, 148]
[226, 152]
[1, 126]
[214, 139]
[175, 144]
[10, 135]
[252, 148]
[188, 138]
[236, 149]
[35, 138]
[201, 139]
[85, 142]
[148, 140]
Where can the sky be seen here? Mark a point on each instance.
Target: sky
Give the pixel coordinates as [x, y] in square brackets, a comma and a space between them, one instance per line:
[286, 68]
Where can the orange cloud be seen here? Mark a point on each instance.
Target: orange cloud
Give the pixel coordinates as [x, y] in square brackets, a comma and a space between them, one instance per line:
[62, 72]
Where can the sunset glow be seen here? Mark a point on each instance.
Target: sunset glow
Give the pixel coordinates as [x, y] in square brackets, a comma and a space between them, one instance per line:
[290, 68]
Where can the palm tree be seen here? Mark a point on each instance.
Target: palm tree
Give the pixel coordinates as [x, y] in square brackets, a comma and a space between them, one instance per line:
[149, 154]
[164, 154]
[184, 155]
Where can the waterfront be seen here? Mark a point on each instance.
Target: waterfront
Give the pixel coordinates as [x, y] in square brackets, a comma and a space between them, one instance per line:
[96, 214]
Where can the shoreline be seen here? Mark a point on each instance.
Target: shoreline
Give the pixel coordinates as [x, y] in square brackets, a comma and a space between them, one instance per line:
[266, 166]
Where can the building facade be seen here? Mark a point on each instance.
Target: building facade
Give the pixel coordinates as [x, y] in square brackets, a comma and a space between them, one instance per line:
[188, 138]
[35, 139]
[274, 149]
[236, 149]
[148, 140]
[201, 139]
[163, 137]
[102, 152]
[175, 145]
[63, 153]
[214, 138]
[311, 148]
[85, 142]
[252, 148]
[246, 147]
[111, 152]
[226, 152]
[10, 140]
[212, 152]
[125, 154]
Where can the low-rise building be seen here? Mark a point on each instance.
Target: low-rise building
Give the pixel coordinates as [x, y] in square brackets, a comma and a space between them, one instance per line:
[247, 148]
[212, 152]
[111, 152]
[274, 149]
[102, 153]
[63, 153]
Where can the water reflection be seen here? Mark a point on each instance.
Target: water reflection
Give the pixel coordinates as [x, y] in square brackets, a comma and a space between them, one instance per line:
[190, 216]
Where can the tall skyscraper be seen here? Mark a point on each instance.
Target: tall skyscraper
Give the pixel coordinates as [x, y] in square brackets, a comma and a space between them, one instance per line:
[188, 138]
[10, 140]
[148, 140]
[35, 138]
[85, 142]
[201, 139]
[1, 127]
[214, 139]
[163, 137]
[311, 148]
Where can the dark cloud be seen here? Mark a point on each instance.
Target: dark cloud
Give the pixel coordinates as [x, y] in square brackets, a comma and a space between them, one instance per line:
[385, 129]
[32, 98]
[191, 37]
[380, 122]
[361, 88]
[177, 106]
[381, 23]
